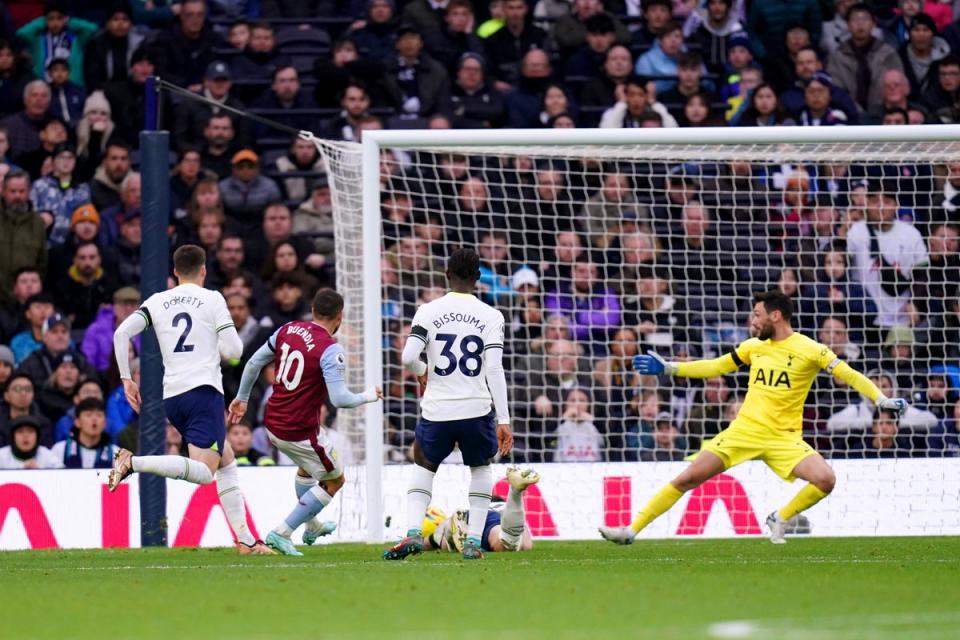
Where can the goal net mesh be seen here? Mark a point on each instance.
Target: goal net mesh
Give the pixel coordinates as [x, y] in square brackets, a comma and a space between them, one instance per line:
[597, 253]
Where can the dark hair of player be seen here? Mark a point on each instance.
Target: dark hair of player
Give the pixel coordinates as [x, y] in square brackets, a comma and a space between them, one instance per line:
[327, 304]
[775, 300]
[188, 259]
[463, 266]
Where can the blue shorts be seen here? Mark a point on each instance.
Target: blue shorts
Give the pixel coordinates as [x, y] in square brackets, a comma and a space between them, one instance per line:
[493, 520]
[476, 437]
[198, 416]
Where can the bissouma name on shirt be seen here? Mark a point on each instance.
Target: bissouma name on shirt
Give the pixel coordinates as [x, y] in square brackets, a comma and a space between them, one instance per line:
[465, 318]
[303, 333]
[183, 301]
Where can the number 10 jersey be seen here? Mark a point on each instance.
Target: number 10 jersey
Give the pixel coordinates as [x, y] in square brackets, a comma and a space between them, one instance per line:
[457, 330]
[299, 388]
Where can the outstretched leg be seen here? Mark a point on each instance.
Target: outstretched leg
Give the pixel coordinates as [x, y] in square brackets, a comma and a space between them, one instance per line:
[706, 466]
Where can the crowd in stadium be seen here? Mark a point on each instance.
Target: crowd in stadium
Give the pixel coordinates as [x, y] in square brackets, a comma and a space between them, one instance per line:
[596, 263]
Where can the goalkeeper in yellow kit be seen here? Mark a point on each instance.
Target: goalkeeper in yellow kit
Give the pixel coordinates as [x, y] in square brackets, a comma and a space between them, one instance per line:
[768, 427]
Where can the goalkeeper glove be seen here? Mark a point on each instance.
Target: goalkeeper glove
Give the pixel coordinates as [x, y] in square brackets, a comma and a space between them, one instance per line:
[653, 365]
[897, 405]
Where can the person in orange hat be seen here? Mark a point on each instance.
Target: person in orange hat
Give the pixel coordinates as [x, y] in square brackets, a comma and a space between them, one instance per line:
[246, 193]
[84, 227]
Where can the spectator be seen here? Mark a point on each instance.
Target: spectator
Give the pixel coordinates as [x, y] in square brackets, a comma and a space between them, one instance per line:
[858, 417]
[769, 21]
[593, 307]
[884, 252]
[656, 14]
[54, 397]
[762, 110]
[633, 104]
[57, 35]
[23, 127]
[417, 84]
[936, 396]
[656, 316]
[834, 335]
[669, 444]
[94, 131]
[859, 62]
[108, 55]
[24, 450]
[601, 91]
[57, 196]
[278, 227]
[286, 95]
[185, 179]
[238, 35]
[186, 48]
[209, 226]
[52, 134]
[556, 103]
[378, 34]
[228, 260]
[313, 220]
[219, 145]
[86, 286]
[97, 343]
[122, 257]
[26, 283]
[37, 308]
[577, 439]
[448, 45]
[258, 61]
[883, 440]
[128, 97]
[524, 102]
[572, 30]
[510, 46]
[17, 402]
[246, 192]
[935, 281]
[355, 106]
[663, 58]
[302, 157]
[66, 98]
[111, 220]
[707, 419]
[22, 233]
[920, 53]
[896, 29]
[86, 389]
[41, 363]
[282, 258]
[495, 272]
[108, 178]
[690, 71]
[807, 63]
[710, 32]
[14, 77]
[606, 209]
[943, 96]
[192, 118]
[88, 447]
[287, 302]
[945, 437]
[817, 108]
[240, 437]
[835, 293]
[333, 74]
[587, 59]
[425, 16]
[899, 352]
[474, 104]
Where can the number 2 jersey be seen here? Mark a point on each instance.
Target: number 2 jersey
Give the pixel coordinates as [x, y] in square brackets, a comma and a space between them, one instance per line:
[303, 353]
[187, 321]
[457, 329]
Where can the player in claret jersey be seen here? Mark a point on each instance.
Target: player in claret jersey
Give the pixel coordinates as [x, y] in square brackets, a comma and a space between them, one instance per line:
[463, 338]
[195, 330]
[769, 425]
[309, 367]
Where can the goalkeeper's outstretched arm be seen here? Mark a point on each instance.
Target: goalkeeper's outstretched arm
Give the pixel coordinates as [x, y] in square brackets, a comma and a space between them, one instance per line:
[843, 371]
[653, 364]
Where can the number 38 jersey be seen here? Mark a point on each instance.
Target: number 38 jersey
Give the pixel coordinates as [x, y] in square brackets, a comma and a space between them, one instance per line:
[304, 352]
[457, 330]
[187, 320]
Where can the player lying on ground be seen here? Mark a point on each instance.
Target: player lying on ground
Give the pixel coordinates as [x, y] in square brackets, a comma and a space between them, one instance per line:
[195, 330]
[309, 366]
[769, 426]
[504, 529]
[463, 338]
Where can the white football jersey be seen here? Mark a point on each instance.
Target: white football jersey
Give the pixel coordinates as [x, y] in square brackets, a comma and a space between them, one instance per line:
[457, 329]
[187, 320]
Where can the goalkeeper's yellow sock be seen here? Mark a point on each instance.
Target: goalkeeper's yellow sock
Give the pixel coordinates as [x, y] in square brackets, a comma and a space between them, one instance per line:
[658, 504]
[805, 498]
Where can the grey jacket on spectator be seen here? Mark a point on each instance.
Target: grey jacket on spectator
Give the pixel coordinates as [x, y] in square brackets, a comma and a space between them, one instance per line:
[245, 201]
[880, 58]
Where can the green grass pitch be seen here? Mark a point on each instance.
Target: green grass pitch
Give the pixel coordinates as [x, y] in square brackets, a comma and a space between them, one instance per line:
[823, 589]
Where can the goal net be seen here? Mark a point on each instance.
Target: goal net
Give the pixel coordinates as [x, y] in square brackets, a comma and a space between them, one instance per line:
[597, 252]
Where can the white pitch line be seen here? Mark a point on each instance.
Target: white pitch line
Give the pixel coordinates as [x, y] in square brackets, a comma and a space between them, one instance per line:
[824, 627]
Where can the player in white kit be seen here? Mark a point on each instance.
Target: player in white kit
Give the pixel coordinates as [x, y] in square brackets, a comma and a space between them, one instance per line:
[463, 338]
[194, 330]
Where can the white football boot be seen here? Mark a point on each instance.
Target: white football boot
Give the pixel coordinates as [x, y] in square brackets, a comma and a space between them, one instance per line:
[618, 535]
[778, 528]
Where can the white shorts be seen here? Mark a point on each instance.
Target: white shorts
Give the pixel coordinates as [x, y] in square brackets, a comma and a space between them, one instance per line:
[315, 456]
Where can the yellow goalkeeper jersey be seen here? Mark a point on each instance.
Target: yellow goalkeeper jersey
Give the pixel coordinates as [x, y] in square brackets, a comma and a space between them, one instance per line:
[781, 374]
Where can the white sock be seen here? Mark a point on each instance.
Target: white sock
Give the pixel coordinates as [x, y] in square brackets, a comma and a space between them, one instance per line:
[176, 467]
[481, 486]
[512, 521]
[231, 499]
[419, 492]
[302, 485]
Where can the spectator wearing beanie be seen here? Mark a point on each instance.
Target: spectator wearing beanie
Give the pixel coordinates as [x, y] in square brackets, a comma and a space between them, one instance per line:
[109, 55]
[920, 54]
[93, 132]
[24, 450]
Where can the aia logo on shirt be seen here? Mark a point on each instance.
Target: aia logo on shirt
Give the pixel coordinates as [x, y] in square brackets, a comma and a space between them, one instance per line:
[771, 378]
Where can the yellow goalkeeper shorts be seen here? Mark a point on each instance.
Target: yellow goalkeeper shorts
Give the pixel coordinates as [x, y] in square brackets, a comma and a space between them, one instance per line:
[740, 442]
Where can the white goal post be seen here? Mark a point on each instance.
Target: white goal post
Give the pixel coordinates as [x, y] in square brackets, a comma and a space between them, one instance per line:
[357, 187]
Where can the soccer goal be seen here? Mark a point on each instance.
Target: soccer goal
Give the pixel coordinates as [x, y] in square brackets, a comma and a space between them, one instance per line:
[597, 244]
